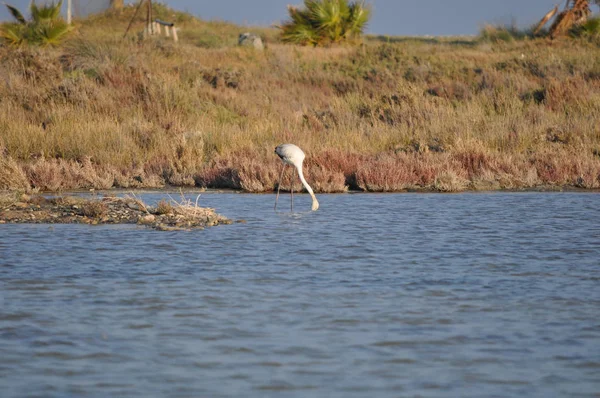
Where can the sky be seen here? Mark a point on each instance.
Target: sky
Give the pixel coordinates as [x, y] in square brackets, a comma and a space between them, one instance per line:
[389, 17]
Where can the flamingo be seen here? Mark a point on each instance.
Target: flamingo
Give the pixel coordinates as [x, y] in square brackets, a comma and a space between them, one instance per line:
[291, 154]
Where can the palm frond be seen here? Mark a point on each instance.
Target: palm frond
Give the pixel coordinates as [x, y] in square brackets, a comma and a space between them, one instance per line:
[13, 34]
[47, 12]
[51, 34]
[358, 18]
[16, 14]
[299, 33]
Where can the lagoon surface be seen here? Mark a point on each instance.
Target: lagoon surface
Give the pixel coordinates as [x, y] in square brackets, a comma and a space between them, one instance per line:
[383, 295]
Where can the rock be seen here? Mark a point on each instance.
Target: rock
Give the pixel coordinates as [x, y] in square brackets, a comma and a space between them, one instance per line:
[147, 219]
[133, 206]
[251, 40]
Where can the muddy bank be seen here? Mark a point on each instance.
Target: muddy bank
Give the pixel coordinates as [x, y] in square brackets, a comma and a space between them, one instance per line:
[164, 216]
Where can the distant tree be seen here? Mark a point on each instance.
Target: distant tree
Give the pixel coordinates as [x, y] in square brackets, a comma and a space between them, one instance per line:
[323, 22]
[46, 26]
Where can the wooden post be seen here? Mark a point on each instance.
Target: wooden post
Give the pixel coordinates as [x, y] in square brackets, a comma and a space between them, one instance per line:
[69, 6]
[132, 18]
[169, 27]
[149, 17]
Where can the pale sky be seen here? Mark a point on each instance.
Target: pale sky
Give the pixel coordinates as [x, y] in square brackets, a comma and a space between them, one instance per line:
[390, 17]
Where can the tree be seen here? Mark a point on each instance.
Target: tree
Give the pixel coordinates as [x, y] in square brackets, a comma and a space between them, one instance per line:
[323, 22]
[46, 26]
[574, 16]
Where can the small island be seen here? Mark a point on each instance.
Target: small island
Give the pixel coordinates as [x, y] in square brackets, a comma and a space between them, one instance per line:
[165, 216]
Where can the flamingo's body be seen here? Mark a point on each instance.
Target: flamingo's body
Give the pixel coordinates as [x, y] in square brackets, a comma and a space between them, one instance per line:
[291, 154]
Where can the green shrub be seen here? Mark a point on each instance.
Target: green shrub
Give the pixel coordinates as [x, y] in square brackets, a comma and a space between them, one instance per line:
[324, 22]
[589, 29]
[46, 26]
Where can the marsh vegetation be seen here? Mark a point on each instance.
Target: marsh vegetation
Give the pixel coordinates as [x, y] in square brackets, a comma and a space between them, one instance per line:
[391, 114]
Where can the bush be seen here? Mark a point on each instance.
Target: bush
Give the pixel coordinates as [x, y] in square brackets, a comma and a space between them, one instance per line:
[496, 34]
[46, 26]
[323, 22]
[589, 29]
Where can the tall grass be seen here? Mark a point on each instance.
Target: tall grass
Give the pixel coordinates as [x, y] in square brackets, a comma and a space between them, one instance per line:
[101, 112]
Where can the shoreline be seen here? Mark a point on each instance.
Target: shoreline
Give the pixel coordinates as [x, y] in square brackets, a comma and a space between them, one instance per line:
[121, 206]
[199, 190]
[67, 209]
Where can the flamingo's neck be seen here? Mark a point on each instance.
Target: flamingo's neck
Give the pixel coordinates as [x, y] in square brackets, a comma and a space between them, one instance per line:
[315, 203]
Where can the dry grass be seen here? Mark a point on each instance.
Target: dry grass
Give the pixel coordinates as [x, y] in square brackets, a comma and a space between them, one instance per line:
[103, 112]
[94, 209]
[12, 176]
[186, 211]
[8, 199]
[164, 207]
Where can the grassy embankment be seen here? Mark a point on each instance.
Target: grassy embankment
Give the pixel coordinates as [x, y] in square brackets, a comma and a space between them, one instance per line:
[393, 114]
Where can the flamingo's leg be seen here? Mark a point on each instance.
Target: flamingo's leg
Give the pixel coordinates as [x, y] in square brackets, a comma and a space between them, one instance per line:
[279, 185]
[292, 190]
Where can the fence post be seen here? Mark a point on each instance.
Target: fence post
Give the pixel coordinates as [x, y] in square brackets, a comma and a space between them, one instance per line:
[69, 7]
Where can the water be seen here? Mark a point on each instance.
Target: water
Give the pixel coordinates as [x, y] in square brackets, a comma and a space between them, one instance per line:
[426, 295]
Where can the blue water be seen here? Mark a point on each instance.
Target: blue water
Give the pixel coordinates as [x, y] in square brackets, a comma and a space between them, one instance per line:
[431, 295]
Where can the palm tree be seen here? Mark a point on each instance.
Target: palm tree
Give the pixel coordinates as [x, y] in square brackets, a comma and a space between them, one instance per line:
[574, 16]
[46, 27]
[323, 22]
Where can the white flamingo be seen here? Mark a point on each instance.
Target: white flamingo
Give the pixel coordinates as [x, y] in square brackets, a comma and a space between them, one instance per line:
[291, 154]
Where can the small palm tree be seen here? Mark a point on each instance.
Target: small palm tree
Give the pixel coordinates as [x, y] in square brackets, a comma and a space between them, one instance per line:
[46, 26]
[323, 22]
